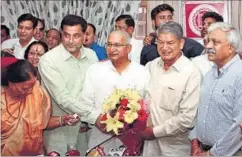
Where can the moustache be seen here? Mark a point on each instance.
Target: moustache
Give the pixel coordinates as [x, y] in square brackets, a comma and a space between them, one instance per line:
[211, 51]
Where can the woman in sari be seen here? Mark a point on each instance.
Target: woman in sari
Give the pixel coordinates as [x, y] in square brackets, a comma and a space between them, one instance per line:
[25, 111]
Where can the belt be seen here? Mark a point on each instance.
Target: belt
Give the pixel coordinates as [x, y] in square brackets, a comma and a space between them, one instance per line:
[205, 147]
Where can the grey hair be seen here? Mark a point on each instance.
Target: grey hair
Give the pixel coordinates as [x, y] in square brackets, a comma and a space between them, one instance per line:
[171, 27]
[124, 34]
[233, 35]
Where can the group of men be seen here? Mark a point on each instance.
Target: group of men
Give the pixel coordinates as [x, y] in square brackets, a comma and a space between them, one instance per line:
[176, 88]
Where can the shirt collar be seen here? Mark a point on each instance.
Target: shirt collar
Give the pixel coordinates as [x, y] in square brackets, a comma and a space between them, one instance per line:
[32, 39]
[67, 55]
[178, 65]
[114, 69]
[225, 68]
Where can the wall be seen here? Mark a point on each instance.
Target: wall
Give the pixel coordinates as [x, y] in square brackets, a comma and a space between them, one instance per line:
[235, 16]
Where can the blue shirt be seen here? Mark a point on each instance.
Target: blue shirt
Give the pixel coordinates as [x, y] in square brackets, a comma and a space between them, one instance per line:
[100, 51]
[220, 109]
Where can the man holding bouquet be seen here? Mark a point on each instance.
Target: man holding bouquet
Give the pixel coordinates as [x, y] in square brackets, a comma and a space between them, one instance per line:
[105, 77]
[174, 88]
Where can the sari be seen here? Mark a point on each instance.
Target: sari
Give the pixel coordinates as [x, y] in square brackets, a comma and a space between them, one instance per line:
[23, 121]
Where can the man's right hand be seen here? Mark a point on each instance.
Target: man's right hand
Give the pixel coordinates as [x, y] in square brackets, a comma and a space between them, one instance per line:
[195, 147]
[99, 125]
[148, 39]
[8, 51]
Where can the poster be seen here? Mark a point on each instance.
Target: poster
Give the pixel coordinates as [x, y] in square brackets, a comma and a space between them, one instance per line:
[194, 11]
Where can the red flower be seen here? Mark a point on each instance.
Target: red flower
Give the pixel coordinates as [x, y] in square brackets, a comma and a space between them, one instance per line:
[142, 115]
[121, 114]
[104, 117]
[124, 102]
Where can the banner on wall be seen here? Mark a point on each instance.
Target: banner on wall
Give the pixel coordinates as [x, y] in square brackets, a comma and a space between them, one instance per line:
[194, 11]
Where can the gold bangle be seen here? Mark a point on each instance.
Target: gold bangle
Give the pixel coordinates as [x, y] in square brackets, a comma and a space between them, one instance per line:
[60, 121]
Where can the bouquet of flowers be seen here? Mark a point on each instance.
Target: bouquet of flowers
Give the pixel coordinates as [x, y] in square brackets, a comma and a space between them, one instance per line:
[124, 114]
[122, 110]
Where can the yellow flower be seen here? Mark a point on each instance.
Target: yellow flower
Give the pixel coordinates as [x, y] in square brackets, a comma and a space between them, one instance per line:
[130, 116]
[134, 106]
[108, 106]
[132, 94]
[113, 123]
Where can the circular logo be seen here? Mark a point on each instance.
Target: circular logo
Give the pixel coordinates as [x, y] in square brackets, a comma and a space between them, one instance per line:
[195, 17]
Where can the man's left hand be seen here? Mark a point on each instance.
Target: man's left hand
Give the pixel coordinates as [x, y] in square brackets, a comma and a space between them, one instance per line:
[147, 133]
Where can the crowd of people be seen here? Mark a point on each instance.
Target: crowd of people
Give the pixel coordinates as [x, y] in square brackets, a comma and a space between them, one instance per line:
[54, 82]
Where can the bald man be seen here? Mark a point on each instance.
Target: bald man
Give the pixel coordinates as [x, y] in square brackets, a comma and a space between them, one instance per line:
[117, 72]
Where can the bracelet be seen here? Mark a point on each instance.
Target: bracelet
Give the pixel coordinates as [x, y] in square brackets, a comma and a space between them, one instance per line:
[60, 121]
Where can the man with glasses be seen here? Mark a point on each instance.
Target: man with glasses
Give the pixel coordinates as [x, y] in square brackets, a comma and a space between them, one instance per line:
[103, 77]
[127, 24]
[25, 31]
[160, 15]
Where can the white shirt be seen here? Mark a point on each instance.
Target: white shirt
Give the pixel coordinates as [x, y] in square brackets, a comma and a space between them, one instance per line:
[18, 49]
[135, 52]
[174, 99]
[203, 64]
[200, 40]
[101, 79]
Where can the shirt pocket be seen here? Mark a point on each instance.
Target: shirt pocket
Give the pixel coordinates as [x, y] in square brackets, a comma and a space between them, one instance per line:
[171, 98]
[226, 98]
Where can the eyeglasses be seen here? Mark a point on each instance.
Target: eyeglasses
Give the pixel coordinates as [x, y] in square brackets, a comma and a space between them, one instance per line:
[35, 54]
[115, 45]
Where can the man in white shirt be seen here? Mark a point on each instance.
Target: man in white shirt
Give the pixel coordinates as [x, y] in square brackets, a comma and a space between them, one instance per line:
[174, 89]
[25, 31]
[202, 62]
[126, 23]
[103, 77]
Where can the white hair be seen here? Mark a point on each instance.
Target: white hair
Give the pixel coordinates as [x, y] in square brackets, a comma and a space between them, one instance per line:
[233, 35]
[124, 34]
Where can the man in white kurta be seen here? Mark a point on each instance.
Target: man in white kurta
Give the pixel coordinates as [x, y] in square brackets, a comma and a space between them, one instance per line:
[174, 90]
[103, 77]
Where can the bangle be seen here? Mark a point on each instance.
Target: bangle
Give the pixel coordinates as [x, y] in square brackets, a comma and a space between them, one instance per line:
[60, 121]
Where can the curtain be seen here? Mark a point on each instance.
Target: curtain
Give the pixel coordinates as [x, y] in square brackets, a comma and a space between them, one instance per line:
[100, 13]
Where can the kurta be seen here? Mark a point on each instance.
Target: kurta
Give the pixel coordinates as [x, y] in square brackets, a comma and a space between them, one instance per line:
[101, 79]
[63, 75]
[174, 99]
[23, 121]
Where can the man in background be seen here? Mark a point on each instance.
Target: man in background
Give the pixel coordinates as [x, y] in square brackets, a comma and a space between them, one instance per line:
[25, 32]
[127, 24]
[5, 33]
[207, 19]
[160, 15]
[52, 38]
[90, 37]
